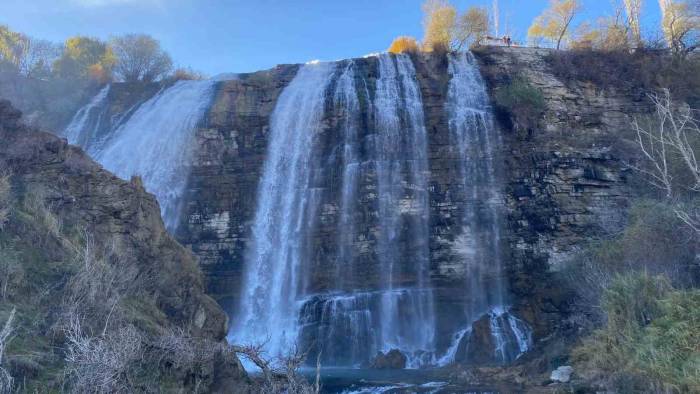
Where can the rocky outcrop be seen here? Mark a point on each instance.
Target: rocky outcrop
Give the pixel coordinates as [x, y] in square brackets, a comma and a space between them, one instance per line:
[87, 201]
[393, 359]
[566, 181]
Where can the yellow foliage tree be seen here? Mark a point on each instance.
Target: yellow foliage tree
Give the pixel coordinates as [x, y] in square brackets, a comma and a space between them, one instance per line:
[471, 28]
[404, 44]
[85, 57]
[10, 47]
[438, 23]
[607, 35]
[555, 22]
[681, 25]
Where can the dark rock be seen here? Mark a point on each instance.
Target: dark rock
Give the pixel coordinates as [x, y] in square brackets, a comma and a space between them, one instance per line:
[393, 359]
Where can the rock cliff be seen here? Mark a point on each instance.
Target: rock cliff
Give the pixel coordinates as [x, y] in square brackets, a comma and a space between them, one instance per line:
[62, 199]
[564, 182]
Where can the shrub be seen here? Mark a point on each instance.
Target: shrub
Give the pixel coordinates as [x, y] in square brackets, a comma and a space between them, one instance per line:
[522, 101]
[651, 337]
[187, 74]
[647, 70]
[655, 241]
[404, 44]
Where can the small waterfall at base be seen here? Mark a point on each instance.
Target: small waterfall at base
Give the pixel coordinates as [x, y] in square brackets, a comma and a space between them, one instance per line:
[155, 143]
[82, 128]
[473, 135]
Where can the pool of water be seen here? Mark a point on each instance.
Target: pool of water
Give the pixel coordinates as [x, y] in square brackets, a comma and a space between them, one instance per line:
[371, 381]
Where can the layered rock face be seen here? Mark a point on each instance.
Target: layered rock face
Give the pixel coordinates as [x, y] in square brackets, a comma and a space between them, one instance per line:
[566, 181]
[562, 184]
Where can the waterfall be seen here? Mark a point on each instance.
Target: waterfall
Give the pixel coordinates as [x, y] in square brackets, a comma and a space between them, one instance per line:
[269, 306]
[348, 322]
[473, 136]
[82, 128]
[402, 170]
[155, 143]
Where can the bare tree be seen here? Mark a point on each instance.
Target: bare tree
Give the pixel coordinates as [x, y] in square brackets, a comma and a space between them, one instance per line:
[279, 376]
[680, 22]
[634, 9]
[670, 146]
[37, 57]
[140, 58]
[101, 364]
[6, 380]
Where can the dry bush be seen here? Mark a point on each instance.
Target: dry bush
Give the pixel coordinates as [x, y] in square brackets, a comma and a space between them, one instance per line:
[35, 203]
[101, 364]
[4, 199]
[185, 352]
[404, 44]
[104, 278]
[6, 380]
[11, 271]
[188, 74]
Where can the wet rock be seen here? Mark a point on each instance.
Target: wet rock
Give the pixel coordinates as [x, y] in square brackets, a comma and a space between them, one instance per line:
[477, 348]
[562, 374]
[393, 359]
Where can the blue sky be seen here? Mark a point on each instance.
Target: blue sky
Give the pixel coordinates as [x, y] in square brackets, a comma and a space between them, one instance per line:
[217, 36]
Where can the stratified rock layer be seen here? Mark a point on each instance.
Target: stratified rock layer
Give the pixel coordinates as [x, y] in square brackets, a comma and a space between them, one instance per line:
[563, 183]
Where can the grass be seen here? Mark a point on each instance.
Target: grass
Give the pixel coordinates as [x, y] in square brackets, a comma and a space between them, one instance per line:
[651, 338]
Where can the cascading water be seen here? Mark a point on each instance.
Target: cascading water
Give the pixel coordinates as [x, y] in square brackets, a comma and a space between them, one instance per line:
[402, 170]
[472, 134]
[346, 324]
[154, 143]
[269, 308]
[82, 129]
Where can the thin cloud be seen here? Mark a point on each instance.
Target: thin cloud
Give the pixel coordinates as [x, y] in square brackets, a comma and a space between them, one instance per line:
[101, 3]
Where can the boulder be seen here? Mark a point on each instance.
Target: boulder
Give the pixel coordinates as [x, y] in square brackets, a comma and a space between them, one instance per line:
[562, 374]
[393, 359]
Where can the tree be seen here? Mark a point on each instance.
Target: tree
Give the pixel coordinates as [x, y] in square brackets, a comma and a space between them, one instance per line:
[680, 23]
[471, 28]
[634, 9]
[38, 57]
[438, 24]
[671, 150]
[606, 35]
[554, 23]
[10, 49]
[84, 57]
[403, 44]
[140, 58]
